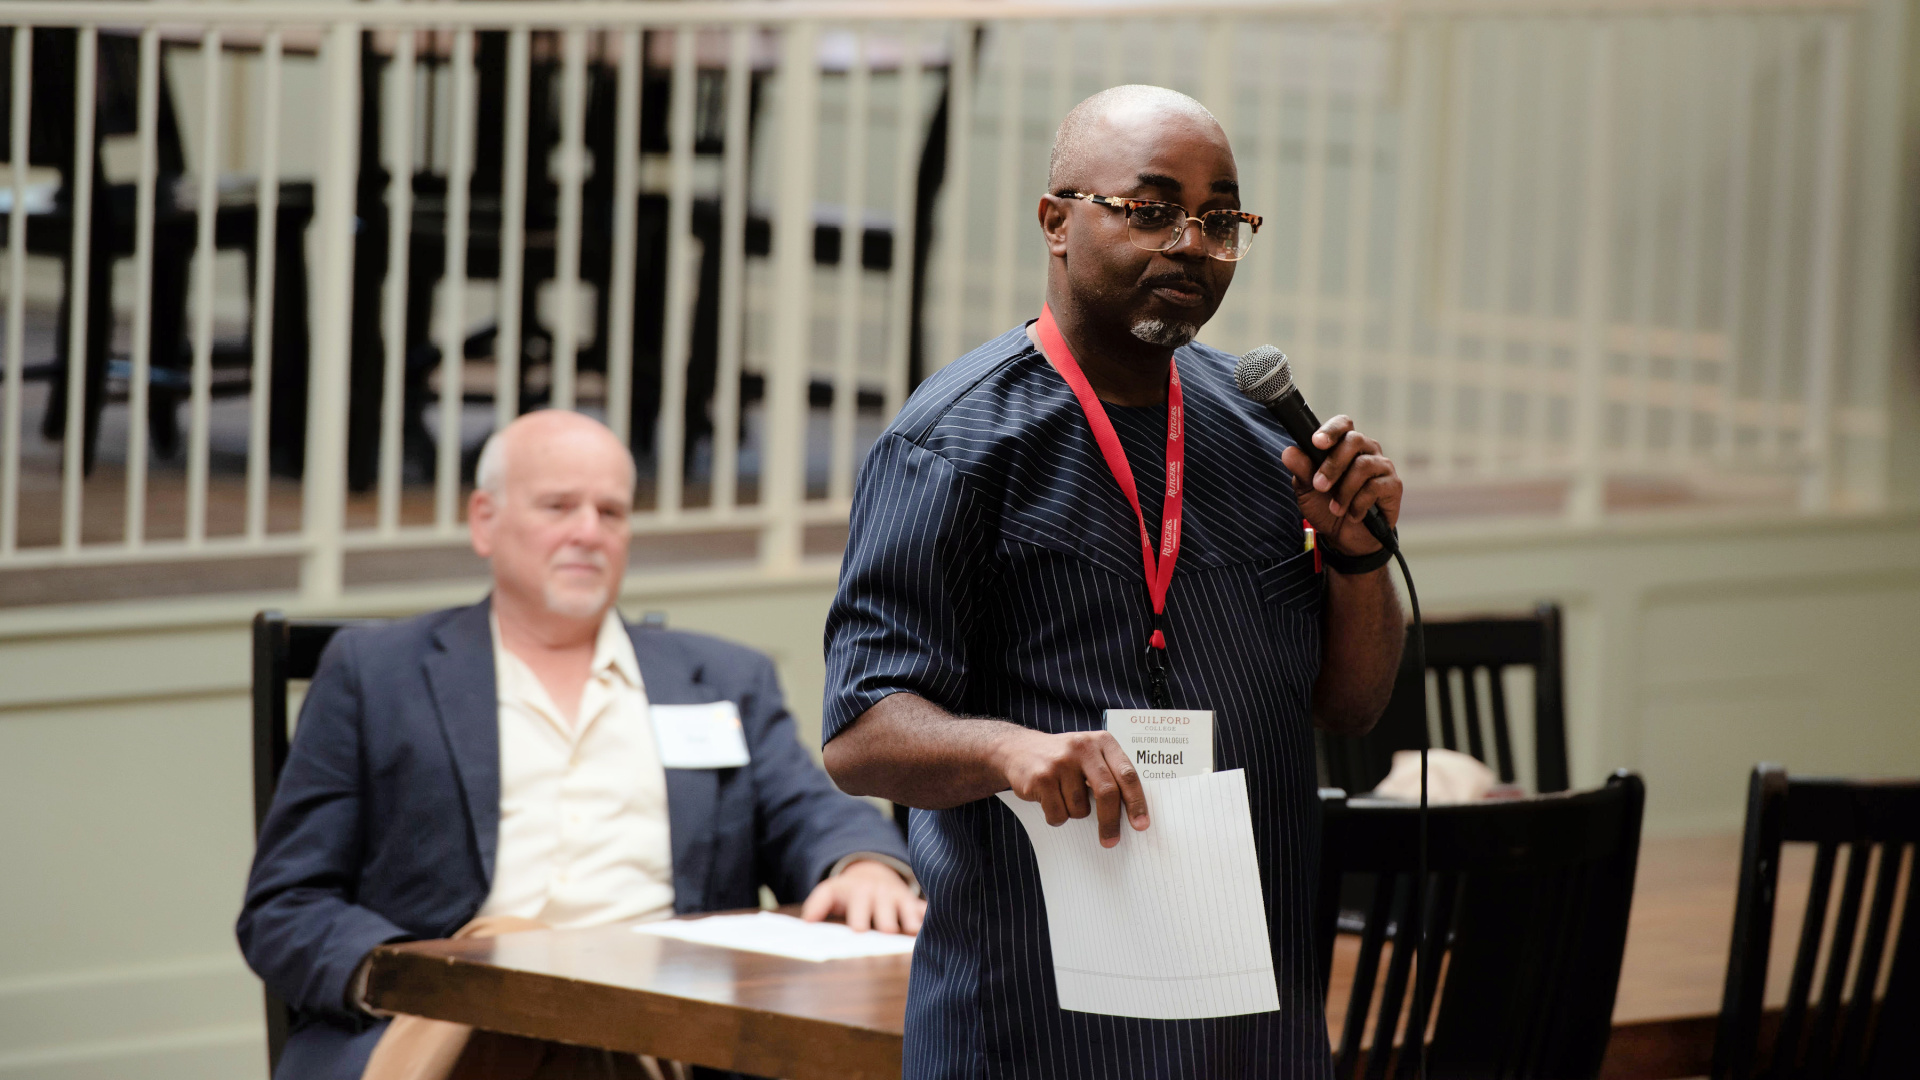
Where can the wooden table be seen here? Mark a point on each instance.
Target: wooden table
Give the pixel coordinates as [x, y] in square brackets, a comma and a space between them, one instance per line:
[619, 990]
[770, 1016]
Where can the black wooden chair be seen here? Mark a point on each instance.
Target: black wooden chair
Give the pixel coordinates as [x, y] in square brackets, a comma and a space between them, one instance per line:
[1846, 1032]
[1457, 650]
[1527, 901]
[283, 650]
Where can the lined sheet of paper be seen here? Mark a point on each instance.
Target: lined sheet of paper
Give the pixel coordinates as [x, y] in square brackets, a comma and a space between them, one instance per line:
[1171, 923]
[782, 935]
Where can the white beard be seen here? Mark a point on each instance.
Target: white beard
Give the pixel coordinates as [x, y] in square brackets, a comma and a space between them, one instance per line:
[576, 605]
[1168, 334]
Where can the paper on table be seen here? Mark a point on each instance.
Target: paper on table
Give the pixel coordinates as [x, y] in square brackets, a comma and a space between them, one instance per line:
[782, 935]
[1169, 925]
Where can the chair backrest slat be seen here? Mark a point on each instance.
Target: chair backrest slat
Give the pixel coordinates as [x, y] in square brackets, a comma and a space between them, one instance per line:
[1558, 961]
[1439, 902]
[1853, 1034]
[1502, 735]
[1843, 1032]
[1399, 967]
[1793, 1021]
[1551, 772]
[1470, 697]
[1372, 941]
[1826, 1021]
[1895, 1046]
[1527, 906]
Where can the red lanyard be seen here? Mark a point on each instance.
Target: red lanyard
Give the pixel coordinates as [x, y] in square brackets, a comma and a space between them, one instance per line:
[1159, 570]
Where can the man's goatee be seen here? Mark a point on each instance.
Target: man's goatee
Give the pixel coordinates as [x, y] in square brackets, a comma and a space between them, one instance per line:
[1161, 332]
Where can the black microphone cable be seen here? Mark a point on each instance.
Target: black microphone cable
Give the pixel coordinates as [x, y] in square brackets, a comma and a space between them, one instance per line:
[1265, 376]
[1422, 953]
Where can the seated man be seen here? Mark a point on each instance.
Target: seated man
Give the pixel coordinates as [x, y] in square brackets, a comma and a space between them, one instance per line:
[506, 759]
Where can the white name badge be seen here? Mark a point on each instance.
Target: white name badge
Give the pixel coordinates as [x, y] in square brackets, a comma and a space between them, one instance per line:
[1165, 743]
[699, 736]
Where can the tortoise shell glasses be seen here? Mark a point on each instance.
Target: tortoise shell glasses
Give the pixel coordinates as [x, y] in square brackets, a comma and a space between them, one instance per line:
[1153, 225]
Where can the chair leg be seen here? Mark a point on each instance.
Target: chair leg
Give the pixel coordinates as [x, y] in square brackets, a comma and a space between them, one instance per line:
[99, 347]
[169, 344]
[703, 351]
[367, 361]
[649, 320]
[427, 264]
[53, 424]
[287, 438]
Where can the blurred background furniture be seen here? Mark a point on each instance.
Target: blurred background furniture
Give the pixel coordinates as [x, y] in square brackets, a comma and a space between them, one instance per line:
[1850, 1027]
[1527, 901]
[114, 214]
[1458, 652]
[427, 252]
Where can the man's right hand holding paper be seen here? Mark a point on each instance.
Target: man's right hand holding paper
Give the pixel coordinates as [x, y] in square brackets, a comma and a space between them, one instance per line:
[1060, 771]
[909, 750]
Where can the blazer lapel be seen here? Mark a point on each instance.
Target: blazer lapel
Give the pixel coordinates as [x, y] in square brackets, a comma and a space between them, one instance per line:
[692, 794]
[465, 697]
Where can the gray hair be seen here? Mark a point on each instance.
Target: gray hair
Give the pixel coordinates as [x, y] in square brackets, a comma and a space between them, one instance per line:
[490, 474]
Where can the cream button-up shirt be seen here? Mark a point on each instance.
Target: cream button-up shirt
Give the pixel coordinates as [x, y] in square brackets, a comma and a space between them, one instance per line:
[584, 836]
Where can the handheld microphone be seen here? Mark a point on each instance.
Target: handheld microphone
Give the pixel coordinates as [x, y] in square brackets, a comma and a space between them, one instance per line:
[1265, 376]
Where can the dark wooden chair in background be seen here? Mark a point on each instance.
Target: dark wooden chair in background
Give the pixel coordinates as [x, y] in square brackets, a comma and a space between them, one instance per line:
[1457, 651]
[283, 650]
[1527, 901]
[112, 235]
[1847, 1031]
[51, 143]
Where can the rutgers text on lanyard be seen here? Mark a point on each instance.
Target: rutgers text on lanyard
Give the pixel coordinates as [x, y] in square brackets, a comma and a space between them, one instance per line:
[1160, 568]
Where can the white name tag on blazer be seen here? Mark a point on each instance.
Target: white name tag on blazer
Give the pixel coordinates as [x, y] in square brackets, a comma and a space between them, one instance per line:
[1164, 743]
[705, 736]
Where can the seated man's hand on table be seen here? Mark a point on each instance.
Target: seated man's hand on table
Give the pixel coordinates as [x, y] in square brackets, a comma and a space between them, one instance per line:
[871, 896]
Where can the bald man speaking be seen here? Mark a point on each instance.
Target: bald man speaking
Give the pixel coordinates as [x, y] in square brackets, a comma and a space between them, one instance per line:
[533, 761]
[1084, 515]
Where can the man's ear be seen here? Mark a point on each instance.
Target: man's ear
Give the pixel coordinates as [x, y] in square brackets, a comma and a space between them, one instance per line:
[482, 512]
[1053, 224]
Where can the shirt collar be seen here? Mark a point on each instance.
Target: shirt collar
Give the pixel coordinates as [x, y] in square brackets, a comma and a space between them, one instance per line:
[612, 649]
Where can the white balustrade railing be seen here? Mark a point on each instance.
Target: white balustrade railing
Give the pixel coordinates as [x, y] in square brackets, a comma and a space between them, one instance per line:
[1560, 246]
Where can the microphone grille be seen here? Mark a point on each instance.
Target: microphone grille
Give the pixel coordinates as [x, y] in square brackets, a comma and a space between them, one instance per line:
[1264, 374]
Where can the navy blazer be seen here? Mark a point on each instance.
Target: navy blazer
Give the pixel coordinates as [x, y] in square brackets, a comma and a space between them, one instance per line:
[387, 817]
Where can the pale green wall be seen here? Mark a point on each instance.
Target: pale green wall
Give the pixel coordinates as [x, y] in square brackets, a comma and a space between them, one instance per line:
[1693, 652]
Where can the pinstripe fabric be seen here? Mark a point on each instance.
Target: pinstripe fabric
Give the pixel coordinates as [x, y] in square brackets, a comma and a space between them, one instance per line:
[994, 569]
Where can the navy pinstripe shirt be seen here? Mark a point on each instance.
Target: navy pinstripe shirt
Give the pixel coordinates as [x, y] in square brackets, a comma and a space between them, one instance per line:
[994, 569]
